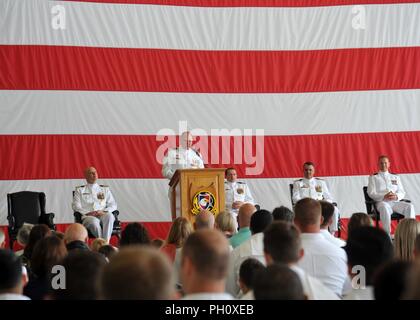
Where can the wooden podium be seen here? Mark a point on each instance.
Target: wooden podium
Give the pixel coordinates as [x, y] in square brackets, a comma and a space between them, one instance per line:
[195, 189]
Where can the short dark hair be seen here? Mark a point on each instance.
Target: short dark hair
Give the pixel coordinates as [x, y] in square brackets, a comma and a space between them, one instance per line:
[309, 163]
[207, 257]
[357, 220]
[228, 169]
[11, 270]
[308, 211]
[390, 281]
[282, 242]
[108, 251]
[248, 269]
[134, 233]
[283, 213]
[278, 282]
[82, 275]
[260, 220]
[327, 211]
[369, 247]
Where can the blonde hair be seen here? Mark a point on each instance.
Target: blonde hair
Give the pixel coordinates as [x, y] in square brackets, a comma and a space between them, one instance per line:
[180, 230]
[405, 239]
[97, 244]
[226, 223]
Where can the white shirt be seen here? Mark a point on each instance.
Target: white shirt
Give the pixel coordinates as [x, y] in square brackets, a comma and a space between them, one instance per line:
[237, 191]
[208, 296]
[251, 248]
[181, 158]
[383, 182]
[335, 241]
[361, 294]
[313, 288]
[93, 197]
[13, 296]
[324, 261]
[314, 188]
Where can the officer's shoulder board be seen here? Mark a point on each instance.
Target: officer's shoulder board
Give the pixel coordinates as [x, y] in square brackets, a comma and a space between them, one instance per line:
[375, 174]
[82, 186]
[104, 186]
[240, 182]
[297, 180]
[319, 179]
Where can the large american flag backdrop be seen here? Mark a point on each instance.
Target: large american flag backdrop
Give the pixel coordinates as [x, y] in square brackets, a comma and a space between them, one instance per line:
[328, 81]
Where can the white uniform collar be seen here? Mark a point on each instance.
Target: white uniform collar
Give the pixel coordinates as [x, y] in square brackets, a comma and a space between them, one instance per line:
[382, 173]
[92, 185]
[308, 180]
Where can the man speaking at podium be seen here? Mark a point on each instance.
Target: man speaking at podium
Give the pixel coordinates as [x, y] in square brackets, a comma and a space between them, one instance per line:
[183, 157]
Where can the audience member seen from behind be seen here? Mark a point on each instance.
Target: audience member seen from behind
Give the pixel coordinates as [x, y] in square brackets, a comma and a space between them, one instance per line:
[47, 253]
[327, 211]
[38, 232]
[137, 273]
[322, 259]
[11, 280]
[244, 220]
[282, 244]
[390, 281]
[76, 237]
[108, 251]
[23, 237]
[225, 222]
[358, 219]
[247, 272]
[97, 244]
[251, 248]
[369, 248]
[204, 220]
[204, 264]
[283, 213]
[181, 228]
[82, 275]
[278, 282]
[133, 234]
[417, 247]
[405, 239]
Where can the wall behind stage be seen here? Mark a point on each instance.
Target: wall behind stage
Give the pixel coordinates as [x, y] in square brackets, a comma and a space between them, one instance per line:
[92, 83]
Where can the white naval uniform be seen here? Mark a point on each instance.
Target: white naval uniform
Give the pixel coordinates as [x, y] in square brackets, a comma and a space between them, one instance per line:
[236, 191]
[379, 185]
[180, 158]
[317, 189]
[95, 197]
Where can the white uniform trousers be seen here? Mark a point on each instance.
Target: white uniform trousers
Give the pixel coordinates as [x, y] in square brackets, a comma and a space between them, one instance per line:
[100, 227]
[386, 208]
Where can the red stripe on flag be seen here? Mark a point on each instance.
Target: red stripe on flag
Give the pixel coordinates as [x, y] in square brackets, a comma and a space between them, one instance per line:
[152, 70]
[65, 156]
[252, 3]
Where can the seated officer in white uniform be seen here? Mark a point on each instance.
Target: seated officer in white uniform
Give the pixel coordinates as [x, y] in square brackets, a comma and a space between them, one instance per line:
[236, 192]
[183, 157]
[315, 188]
[96, 203]
[386, 189]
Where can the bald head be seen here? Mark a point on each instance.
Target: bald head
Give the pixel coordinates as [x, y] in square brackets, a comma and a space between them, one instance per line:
[208, 253]
[245, 213]
[308, 215]
[91, 175]
[75, 231]
[138, 273]
[204, 220]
